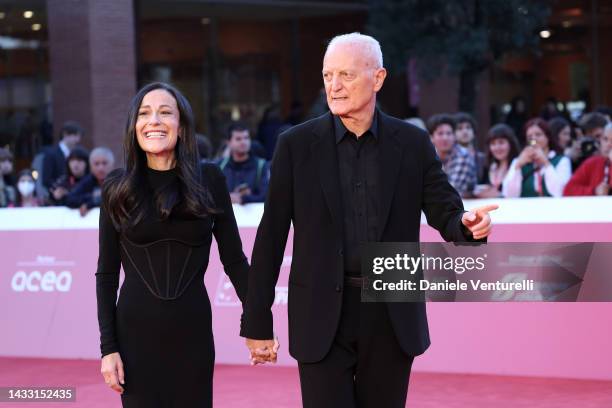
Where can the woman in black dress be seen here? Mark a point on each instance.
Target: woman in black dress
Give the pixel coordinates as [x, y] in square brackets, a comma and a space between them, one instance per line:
[157, 220]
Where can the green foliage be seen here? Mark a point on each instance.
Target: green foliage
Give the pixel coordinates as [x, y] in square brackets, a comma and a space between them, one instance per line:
[462, 35]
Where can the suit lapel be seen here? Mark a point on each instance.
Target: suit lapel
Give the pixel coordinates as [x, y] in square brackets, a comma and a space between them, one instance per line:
[390, 156]
[324, 149]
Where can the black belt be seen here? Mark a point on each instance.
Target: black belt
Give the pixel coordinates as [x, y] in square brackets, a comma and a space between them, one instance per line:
[354, 281]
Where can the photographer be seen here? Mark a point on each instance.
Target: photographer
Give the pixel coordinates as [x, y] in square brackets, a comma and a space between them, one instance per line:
[586, 145]
[593, 177]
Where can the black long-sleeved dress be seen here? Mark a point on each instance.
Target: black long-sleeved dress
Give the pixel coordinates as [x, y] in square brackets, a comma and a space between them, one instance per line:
[161, 324]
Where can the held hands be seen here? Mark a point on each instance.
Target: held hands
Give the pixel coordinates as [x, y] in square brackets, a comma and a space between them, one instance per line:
[112, 370]
[263, 351]
[478, 220]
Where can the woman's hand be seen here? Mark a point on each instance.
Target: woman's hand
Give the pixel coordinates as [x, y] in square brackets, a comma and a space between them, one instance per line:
[112, 370]
[539, 157]
[525, 157]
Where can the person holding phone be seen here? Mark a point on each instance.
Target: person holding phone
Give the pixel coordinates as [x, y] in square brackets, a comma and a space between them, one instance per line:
[540, 170]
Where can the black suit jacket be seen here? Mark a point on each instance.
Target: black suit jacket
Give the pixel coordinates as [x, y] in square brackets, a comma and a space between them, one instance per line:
[305, 189]
[54, 165]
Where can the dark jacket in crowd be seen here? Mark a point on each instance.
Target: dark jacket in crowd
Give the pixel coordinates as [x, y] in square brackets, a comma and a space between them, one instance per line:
[54, 165]
[8, 194]
[255, 173]
[9, 180]
[65, 181]
[87, 191]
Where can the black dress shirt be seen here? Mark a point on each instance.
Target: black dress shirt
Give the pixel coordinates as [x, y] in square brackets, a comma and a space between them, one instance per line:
[359, 183]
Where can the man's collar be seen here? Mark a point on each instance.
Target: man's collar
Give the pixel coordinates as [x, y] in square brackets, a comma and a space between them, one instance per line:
[340, 129]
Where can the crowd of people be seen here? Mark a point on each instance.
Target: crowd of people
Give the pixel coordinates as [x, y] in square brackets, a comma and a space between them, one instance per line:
[548, 158]
[67, 174]
[62, 175]
[545, 156]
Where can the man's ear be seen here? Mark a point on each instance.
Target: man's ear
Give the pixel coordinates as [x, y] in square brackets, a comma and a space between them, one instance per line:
[379, 78]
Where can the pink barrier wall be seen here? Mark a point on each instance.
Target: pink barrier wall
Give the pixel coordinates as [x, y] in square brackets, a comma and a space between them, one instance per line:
[48, 309]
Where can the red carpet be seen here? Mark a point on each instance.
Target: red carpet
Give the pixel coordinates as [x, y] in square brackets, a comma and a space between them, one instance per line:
[271, 387]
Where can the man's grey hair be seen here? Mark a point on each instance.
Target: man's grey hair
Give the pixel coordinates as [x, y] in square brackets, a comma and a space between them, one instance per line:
[368, 44]
[102, 151]
[608, 127]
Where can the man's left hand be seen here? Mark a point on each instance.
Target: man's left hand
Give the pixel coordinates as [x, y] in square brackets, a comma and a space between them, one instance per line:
[478, 220]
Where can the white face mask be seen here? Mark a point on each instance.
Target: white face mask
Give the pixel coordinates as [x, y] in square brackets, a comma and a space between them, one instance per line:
[26, 188]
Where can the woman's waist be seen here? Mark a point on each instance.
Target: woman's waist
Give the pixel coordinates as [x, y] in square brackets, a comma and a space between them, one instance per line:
[167, 280]
[163, 288]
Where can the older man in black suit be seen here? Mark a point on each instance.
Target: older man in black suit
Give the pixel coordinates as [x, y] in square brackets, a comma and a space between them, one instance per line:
[351, 176]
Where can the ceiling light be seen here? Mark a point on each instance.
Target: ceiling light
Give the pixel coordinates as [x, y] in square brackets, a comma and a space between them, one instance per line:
[28, 14]
[36, 27]
[545, 33]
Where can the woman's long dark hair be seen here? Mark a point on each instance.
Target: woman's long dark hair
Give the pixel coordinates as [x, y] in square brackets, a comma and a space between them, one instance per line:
[127, 199]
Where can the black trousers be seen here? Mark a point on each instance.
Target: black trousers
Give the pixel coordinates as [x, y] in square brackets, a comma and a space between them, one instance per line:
[365, 367]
